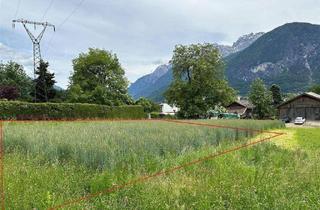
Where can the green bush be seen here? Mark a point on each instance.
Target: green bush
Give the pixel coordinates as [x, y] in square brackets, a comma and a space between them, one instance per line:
[40, 111]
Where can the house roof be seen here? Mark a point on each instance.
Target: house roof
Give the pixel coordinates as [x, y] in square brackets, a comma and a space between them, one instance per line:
[308, 94]
[244, 103]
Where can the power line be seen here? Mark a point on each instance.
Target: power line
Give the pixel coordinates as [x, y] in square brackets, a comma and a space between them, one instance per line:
[71, 14]
[17, 10]
[47, 9]
[64, 21]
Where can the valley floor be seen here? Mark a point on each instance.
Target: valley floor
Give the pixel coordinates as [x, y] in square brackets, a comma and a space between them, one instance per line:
[48, 164]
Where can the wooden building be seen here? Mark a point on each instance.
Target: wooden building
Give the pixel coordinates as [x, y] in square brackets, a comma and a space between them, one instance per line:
[306, 105]
[242, 107]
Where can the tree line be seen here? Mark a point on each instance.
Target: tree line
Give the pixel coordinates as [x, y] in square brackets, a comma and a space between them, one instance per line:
[97, 78]
[199, 83]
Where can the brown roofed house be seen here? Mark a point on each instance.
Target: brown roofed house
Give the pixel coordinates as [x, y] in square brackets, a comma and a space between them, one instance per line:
[241, 107]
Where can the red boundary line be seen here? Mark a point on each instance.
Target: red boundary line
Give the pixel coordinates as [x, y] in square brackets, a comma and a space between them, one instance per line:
[2, 167]
[220, 126]
[142, 178]
[157, 174]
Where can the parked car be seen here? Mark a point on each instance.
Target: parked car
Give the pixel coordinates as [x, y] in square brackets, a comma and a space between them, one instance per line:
[299, 121]
[286, 119]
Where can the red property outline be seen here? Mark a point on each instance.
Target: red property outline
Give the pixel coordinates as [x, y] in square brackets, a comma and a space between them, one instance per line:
[2, 167]
[142, 178]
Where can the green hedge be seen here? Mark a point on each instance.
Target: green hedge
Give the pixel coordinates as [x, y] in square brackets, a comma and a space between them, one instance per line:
[38, 111]
[158, 115]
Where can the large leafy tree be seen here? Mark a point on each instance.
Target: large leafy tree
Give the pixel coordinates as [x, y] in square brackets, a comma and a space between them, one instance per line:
[199, 83]
[13, 77]
[261, 98]
[276, 94]
[98, 78]
[44, 83]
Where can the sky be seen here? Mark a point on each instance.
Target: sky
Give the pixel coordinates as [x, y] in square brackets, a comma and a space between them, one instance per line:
[142, 33]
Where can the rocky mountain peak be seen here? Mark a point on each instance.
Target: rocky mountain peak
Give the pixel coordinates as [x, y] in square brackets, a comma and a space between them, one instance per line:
[242, 43]
[246, 40]
[160, 70]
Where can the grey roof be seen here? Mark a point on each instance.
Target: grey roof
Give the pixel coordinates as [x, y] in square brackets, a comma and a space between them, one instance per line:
[310, 94]
[245, 103]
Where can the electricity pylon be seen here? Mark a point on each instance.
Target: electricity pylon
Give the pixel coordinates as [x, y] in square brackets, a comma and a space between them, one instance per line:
[36, 43]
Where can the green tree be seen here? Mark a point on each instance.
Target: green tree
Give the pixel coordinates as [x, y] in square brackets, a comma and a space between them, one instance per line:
[261, 98]
[276, 94]
[44, 83]
[98, 78]
[12, 74]
[148, 105]
[199, 83]
[315, 89]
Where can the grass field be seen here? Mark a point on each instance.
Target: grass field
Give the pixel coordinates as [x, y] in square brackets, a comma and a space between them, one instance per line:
[48, 163]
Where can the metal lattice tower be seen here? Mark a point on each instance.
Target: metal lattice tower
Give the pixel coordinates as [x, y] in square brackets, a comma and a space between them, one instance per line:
[35, 41]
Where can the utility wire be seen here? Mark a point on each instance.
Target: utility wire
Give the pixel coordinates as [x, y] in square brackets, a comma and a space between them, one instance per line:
[17, 10]
[71, 14]
[47, 9]
[64, 21]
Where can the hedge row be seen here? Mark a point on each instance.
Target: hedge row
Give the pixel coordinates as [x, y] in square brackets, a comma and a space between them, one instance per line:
[38, 111]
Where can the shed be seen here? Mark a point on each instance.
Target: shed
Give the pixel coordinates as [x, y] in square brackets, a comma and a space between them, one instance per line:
[241, 107]
[306, 105]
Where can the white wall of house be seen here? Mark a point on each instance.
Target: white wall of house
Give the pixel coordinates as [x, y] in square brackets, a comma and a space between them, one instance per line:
[166, 109]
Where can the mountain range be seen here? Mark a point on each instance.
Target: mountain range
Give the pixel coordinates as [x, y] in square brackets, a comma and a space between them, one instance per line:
[288, 56]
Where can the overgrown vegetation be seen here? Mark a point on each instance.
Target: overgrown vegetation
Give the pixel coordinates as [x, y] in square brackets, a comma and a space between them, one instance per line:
[48, 163]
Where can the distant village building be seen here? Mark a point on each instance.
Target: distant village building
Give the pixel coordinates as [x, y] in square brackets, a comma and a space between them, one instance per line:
[306, 105]
[166, 109]
[241, 107]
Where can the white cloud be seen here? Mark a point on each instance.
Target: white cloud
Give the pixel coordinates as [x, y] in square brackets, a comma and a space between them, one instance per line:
[8, 54]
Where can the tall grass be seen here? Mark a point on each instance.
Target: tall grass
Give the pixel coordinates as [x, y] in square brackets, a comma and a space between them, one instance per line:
[265, 176]
[114, 145]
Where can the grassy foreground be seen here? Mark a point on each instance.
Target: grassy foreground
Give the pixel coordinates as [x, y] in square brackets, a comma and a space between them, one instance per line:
[49, 163]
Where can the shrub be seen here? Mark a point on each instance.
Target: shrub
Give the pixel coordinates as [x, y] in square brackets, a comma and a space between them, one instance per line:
[41, 111]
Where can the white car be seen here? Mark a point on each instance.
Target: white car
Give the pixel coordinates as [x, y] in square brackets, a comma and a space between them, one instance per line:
[299, 121]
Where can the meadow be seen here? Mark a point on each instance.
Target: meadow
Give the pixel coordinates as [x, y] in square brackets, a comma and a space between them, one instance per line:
[48, 163]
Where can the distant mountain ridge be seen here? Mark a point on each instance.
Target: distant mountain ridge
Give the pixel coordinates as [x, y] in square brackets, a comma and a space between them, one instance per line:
[288, 56]
[148, 85]
[153, 85]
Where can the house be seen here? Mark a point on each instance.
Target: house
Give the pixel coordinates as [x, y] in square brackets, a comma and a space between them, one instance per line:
[241, 107]
[166, 109]
[306, 105]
